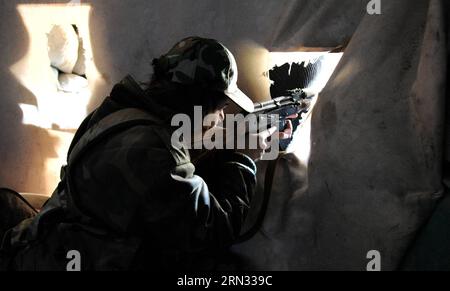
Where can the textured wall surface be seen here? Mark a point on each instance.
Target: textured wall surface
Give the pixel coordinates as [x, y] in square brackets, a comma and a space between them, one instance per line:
[375, 170]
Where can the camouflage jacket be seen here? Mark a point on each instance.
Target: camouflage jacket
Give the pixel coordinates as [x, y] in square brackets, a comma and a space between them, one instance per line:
[133, 200]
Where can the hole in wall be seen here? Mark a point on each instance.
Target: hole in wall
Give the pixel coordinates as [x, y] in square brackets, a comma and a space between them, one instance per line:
[301, 70]
[56, 112]
[59, 68]
[67, 56]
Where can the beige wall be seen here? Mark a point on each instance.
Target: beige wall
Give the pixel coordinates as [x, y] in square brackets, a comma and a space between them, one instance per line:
[37, 122]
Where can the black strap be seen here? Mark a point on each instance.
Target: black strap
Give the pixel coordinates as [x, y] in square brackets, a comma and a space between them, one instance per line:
[110, 124]
[268, 184]
[129, 117]
[20, 197]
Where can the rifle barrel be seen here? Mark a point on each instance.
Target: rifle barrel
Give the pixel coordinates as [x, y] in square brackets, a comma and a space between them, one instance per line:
[274, 103]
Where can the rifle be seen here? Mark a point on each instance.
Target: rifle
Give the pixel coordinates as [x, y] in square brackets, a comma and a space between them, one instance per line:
[298, 102]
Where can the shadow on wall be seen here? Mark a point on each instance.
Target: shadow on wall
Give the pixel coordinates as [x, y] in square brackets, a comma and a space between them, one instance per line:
[24, 149]
[117, 49]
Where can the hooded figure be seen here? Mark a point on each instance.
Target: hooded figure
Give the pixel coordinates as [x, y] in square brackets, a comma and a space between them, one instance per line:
[129, 197]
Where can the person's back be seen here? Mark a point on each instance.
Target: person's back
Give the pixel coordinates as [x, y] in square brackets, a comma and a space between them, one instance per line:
[134, 202]
[130, 197]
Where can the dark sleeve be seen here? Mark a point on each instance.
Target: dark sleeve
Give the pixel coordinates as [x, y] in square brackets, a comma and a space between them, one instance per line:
[231, 181]
[203, 206]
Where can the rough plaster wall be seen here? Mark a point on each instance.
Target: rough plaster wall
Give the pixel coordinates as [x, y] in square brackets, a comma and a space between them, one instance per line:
[327, 23]
[27, 153]
[376, 162]
[157, 25]
[241, 25]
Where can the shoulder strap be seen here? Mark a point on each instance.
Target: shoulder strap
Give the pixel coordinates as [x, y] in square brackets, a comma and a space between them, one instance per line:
[113, 122]
[268, 185]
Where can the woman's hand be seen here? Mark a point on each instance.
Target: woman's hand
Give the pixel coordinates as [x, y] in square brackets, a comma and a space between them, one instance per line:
[253, 145]
[265, 140]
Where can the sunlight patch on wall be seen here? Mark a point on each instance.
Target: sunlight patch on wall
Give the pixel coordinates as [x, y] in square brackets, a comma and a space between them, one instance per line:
[62, 91]
[306, 70]
[329, 62]
[57, 108]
